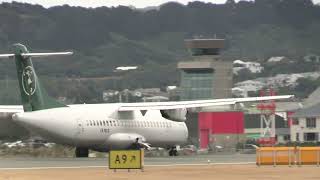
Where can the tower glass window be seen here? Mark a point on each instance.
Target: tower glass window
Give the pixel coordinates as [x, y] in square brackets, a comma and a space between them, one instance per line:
[196, 84]
[204, 51]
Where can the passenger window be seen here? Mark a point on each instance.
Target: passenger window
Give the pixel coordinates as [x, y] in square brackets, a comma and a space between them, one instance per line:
[94, 123]
[104, 123]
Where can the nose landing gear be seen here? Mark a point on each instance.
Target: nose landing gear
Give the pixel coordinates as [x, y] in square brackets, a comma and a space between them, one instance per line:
[173, 151]
[82, 152]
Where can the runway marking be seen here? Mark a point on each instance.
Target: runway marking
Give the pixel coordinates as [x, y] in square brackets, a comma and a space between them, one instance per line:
[151, 165]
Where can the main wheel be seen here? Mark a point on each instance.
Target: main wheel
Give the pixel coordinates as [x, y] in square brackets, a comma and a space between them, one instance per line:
[82, 152]
[171, 153]
[175, 153]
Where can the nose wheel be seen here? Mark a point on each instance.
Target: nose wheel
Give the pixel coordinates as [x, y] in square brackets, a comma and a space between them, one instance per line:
[82, 152]
[173, 151]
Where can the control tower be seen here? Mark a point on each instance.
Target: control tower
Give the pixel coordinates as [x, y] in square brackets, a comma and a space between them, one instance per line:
[206, 75]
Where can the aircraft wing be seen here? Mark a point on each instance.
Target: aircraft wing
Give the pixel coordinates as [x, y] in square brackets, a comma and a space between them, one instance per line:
[11, 108]
[194, 104]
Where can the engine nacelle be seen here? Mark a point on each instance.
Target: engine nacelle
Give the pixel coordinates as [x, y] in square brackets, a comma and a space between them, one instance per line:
[178, 115]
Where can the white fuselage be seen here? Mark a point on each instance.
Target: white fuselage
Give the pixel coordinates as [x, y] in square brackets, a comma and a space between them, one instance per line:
[102, 127]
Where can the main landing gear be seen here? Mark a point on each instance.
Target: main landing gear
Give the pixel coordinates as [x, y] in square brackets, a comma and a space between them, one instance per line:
[82, 152]
[173, 151]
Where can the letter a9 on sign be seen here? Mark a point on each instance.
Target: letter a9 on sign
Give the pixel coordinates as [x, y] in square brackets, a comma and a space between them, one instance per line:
[126, 159]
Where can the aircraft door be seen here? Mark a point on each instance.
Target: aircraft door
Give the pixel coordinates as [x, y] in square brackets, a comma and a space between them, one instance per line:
[79, 129]
[80, 126]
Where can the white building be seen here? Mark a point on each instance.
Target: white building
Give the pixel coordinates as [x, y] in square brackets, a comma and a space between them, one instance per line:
[281, 80]
[277, 59]
[126, 68]
[253, 67]
[238, 92]
[306, 124]
[250, 85]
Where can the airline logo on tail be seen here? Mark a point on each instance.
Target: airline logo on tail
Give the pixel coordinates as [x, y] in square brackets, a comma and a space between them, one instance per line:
[28, 81]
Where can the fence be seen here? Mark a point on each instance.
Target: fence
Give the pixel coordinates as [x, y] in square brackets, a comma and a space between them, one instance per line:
[288, 156]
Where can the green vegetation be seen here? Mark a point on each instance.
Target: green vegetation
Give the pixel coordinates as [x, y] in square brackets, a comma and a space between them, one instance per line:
[104, 38]
[303, 89]
[55, 151]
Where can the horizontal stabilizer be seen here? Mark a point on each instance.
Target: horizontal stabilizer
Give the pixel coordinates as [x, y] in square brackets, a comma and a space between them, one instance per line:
[26, 55]
[6, 55]
[46, 54]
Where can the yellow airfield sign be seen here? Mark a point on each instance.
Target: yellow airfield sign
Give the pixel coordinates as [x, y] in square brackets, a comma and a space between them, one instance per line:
[126, 159]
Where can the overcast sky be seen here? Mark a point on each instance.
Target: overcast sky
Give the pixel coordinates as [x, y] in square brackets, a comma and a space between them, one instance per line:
[97, 3]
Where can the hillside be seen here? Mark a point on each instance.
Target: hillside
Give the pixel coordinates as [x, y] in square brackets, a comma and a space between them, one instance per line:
[104, 38]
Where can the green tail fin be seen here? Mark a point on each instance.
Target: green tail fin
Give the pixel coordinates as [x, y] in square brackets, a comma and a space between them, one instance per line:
[33, 95]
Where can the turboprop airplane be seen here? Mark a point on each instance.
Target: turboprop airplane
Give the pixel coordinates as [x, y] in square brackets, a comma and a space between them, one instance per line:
[102, 127]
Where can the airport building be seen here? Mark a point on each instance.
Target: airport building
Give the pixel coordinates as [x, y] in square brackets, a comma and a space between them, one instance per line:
[305, 126]
[206, 76]
[221, 129]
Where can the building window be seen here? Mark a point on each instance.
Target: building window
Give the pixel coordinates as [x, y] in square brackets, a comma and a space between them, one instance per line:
[297, 137]
[295, 121]
[310, 136]
[286, 137]
[311, 122]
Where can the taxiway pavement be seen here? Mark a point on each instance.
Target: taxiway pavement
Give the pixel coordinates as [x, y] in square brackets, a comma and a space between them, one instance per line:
[43, 163]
